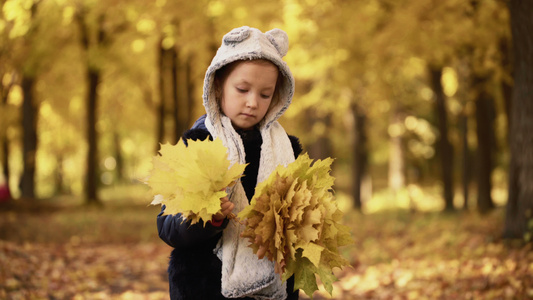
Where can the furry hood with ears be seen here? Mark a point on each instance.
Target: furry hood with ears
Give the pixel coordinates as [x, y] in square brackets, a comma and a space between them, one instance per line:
[246, 43]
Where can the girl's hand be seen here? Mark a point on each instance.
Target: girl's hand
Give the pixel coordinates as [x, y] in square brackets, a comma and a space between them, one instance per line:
[226, 207]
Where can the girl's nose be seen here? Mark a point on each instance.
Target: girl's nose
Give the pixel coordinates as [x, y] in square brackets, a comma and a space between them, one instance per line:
[251, 101]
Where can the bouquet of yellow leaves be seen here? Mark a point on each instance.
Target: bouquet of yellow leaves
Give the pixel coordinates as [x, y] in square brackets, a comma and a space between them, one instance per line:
[191, 179]
[294, 221]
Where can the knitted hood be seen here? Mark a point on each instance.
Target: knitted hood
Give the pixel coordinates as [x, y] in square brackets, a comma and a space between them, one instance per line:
[245, 43]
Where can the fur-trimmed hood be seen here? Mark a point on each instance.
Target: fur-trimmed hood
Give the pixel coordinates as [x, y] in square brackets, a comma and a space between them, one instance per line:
[246, 43]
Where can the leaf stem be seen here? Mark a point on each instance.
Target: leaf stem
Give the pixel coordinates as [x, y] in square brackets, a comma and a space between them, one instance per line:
[232, 216]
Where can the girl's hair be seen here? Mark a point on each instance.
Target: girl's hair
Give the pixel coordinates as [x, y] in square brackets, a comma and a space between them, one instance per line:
[222, 74]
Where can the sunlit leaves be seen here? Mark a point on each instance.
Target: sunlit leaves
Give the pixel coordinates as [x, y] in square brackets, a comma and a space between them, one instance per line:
[18, 12]
[191, 180]
[294, 221]
[340, 52]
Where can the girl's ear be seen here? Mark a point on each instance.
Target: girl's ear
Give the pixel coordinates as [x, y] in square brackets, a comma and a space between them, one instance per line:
[279, 39]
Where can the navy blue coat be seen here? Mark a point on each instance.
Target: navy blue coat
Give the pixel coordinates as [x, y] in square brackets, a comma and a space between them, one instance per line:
[194, 270]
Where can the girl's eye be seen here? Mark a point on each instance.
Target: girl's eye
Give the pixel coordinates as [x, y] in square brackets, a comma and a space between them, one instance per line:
[265, 96]
[241, 90]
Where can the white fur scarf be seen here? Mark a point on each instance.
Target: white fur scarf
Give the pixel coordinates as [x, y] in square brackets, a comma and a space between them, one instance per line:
[243, 274]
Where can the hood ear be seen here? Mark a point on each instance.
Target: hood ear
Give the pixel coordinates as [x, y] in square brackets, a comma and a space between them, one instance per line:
[279, 39]
[237, 35]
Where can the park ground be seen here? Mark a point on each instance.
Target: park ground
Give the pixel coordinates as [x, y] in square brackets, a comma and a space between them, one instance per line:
[60, 249]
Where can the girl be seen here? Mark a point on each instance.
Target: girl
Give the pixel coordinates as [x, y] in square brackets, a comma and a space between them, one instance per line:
[247, 88]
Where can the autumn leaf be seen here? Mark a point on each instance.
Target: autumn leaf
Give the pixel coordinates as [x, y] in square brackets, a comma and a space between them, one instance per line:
[304, 276]
[313, 252]
[294, 221]
[190, 180]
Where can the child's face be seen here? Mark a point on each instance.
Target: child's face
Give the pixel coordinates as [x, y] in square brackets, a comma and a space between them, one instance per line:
[247, 92]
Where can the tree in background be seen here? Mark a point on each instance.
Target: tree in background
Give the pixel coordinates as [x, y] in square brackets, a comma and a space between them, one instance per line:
[163, 82]
[360, 155]
[8, 79]
[445, 147]
[185, 37]
[518, 224]
[486, 140]
[29, 128]
[93, 74]
[362, 94]
[99, 27]
[30, 108]
[486, 68]
[7, 119]
[30, 56]
[450, 35]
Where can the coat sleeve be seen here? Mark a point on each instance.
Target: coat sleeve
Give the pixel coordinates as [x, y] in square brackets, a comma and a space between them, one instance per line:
[178, 233]
[296, 145]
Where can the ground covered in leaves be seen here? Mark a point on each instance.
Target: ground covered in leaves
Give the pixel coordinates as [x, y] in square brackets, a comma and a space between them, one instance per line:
[402, 255]
[53, 251]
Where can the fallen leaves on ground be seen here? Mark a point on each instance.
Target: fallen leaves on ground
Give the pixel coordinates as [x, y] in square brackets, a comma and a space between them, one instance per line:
[402, 255]
[114, 253]
[75, 271]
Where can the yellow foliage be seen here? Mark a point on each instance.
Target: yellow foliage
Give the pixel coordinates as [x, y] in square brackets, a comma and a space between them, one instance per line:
[294, 221]
[191, 180]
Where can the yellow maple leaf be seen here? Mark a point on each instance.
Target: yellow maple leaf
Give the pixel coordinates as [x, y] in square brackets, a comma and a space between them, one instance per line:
[190, 180]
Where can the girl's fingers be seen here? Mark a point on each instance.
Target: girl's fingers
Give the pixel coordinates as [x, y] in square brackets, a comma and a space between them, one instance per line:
[224, 204]
[261, 252]
[227, 208]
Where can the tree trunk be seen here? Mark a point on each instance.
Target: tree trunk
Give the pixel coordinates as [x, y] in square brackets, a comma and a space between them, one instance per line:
[485, 146]
[321, 147]
[190, 92]
[360, 155]
[396, 158]
[464, 72]
[178, 126]
[5, 139]
[29, 129]
[119, 159]
[92, 74]
[59, 175]
[506, 83]
[466, 159]
[162, 107]
[520, 203]
[445, 147]
[5, 159]
[91, 187]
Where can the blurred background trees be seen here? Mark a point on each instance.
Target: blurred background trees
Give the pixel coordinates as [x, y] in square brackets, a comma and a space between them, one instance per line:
[414, 99]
